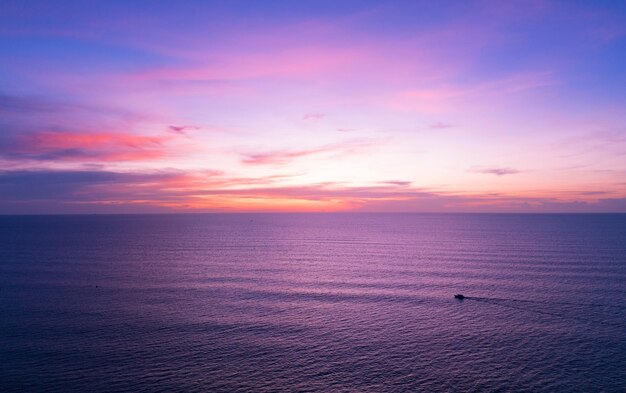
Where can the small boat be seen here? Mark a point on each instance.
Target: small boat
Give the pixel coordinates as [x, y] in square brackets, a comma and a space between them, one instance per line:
[459, 296]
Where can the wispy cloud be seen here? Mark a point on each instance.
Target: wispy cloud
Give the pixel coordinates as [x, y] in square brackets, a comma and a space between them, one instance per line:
[314, 116]
[71, 146]
[498, 171]
[442, 98]
[400, 183]
[280, 157]
[280, 63]
[595, 192]
[607, 140]
[182, 129]
[440, 126]
[19, 104]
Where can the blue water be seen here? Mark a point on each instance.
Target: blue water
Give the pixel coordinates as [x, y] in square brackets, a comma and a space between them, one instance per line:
[313, 302]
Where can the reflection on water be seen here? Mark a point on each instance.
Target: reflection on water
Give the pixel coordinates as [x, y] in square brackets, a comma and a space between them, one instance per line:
[319, 302]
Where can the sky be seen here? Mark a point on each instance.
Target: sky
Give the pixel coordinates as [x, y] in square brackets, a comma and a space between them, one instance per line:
[304, 106]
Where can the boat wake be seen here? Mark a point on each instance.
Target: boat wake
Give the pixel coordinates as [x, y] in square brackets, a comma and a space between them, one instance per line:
[532, 306]
[546, 302]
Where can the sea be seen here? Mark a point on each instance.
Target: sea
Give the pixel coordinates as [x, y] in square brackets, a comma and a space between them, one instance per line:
[329, 302]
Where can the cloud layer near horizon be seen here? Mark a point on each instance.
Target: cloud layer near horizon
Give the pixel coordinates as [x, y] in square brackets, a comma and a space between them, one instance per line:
[27, 192]
[312, 106]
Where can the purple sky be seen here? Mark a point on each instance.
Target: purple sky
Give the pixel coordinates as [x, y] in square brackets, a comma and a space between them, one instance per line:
[436, 106]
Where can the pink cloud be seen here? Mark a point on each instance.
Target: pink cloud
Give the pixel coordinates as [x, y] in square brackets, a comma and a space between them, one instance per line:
[440, 126]
[100, 146]
[279, 63]
[443, 98]
[314, 116]
[280, 157]
[498, 171]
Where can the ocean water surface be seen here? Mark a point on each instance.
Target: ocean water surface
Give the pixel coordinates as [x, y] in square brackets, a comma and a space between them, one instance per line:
[313, 302]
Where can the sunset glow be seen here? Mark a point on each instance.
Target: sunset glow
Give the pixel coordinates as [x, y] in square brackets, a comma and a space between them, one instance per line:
[400, 106]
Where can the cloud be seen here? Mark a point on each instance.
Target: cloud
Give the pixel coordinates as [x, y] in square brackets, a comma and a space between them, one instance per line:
[314, 116]
[277, 62]
[182, 129]
[496, 171]
[440, 126]
[15, 104]
[445, 97]
[280, 157]
[50, 129]
[21, 190]
[608, 141]
[68, 186]
[47, 191]
[72, 146]
[46, 110]
[595, 192]
[402, 183]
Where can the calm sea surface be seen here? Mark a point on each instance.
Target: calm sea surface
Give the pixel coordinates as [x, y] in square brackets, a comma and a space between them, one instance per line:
[313, 302]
